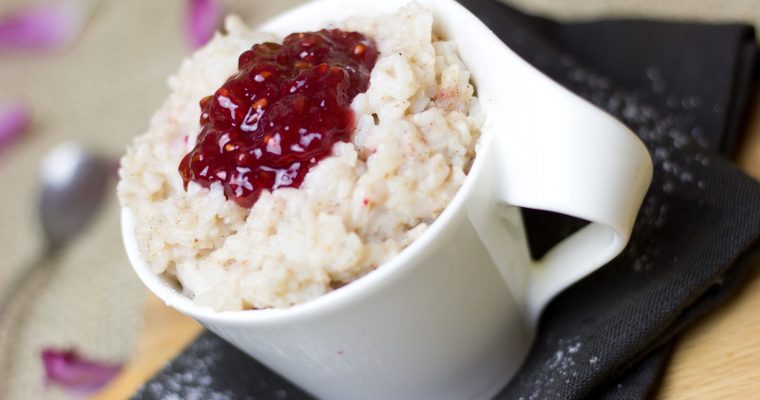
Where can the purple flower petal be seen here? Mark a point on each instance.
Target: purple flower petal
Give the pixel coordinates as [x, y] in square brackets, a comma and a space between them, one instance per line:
[14, 120]
[38, 28]
[75, 374]
[203, 17]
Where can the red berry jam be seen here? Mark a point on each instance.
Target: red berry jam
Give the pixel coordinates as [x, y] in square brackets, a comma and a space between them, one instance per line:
[280, 114]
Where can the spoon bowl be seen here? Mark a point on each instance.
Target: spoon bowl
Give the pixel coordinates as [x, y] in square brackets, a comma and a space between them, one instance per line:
[73, 185]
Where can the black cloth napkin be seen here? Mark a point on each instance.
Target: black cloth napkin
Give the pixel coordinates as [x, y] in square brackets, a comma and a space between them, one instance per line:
[683, 88]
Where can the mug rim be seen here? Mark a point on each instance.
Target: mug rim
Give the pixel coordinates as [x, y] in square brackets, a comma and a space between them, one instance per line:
[345, 295]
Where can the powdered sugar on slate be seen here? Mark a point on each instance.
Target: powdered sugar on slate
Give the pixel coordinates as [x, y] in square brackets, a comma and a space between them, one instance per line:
[662, 132]
[560, 368]
[192, 377]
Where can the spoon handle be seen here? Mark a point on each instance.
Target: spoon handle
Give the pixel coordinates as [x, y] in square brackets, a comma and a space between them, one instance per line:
[21, 279]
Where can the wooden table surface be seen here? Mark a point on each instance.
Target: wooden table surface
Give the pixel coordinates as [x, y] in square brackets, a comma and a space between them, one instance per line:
[717, 358]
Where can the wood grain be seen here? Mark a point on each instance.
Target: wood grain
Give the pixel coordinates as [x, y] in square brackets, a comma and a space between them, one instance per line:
[165, 332]
[718, 358]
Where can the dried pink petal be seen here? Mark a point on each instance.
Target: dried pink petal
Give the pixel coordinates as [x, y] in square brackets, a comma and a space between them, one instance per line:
[14, 120]
[77, 375]
[39, 28]
[203, 17]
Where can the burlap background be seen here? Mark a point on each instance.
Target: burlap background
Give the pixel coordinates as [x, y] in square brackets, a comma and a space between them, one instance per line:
[101, 92]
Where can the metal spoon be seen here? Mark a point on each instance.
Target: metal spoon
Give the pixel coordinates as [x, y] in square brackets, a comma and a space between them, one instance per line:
[74, 183]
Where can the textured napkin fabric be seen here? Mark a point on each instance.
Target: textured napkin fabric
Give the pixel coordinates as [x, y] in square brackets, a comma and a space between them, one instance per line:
[682, 88]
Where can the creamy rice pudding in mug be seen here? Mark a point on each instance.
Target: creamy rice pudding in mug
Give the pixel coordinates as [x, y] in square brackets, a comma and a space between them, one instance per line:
[239, 228]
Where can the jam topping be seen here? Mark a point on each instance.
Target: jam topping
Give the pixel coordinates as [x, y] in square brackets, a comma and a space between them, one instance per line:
[280, 114]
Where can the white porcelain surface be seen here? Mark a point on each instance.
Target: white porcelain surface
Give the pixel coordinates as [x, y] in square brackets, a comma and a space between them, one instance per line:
[453, 316]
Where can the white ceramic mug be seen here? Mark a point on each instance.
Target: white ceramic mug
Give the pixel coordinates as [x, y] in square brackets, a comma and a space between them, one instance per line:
[454, 314]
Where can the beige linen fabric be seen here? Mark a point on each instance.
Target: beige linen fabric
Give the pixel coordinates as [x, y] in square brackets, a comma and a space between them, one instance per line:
[747, 11]
[101, 92]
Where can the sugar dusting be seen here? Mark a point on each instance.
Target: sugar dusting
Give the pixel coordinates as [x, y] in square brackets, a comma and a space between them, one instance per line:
[192, 383]
[192, 377]
[560, 368]
[662, 131]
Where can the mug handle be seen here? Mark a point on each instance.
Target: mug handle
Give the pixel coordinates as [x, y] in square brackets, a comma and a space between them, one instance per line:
[559, 153]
